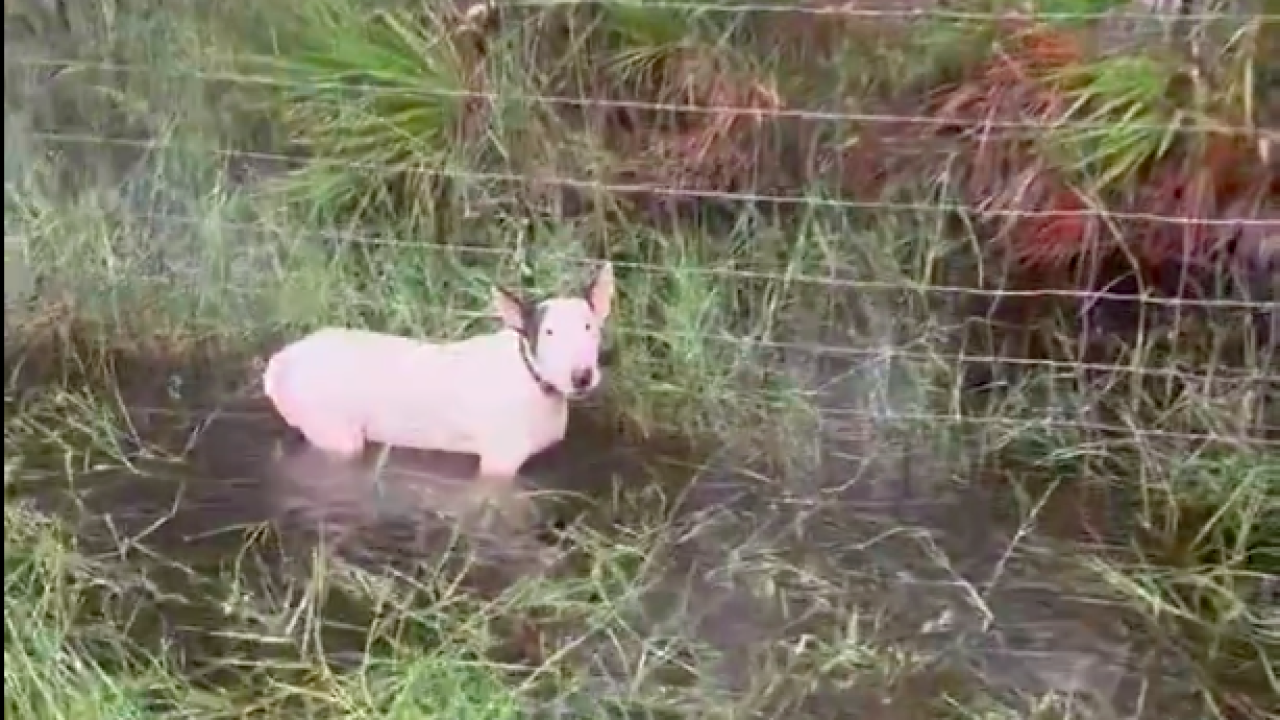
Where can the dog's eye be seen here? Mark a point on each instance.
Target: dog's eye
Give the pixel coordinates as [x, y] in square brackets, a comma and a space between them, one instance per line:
[548, 332]
[588, 327]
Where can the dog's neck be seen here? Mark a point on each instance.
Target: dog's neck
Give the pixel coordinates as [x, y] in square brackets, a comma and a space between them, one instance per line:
[531, 364]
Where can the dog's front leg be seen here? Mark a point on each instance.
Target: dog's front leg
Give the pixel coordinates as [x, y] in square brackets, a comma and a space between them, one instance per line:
[496, 486]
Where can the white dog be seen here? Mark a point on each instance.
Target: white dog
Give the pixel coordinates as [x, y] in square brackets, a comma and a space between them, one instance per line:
[502, 397]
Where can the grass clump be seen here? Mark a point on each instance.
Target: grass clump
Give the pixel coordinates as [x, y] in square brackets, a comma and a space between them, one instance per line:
[1130, 89]
[826, 477]
[384, 100]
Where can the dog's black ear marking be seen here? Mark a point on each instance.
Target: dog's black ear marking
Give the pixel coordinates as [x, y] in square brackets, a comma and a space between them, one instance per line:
[589, 289]
[534, 315]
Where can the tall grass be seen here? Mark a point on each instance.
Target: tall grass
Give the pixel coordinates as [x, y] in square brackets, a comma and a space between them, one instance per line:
[198, 174]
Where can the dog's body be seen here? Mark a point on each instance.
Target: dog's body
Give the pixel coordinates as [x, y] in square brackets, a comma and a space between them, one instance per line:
[502, 397]
[474, 396]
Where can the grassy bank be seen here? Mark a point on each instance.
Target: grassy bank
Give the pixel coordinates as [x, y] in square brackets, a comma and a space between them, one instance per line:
[894, 458]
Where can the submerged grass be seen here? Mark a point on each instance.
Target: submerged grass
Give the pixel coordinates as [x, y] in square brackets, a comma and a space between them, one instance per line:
[896, 506]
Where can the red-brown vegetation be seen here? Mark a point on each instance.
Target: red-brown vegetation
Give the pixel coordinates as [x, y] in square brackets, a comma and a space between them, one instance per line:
[698, 120]
[1170, 214]
[711, 150]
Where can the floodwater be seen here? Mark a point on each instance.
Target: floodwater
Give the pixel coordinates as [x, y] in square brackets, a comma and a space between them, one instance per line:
[936, 560]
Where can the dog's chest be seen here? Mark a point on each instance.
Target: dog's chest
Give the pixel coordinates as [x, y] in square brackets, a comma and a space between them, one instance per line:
[515, 429]
[552, 430]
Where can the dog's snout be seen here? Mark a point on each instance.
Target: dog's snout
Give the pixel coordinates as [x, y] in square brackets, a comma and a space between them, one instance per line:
[582, 379]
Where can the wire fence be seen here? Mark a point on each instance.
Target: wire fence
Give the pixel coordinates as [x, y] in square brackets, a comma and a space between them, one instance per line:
[1263, 227]
[1033, 127]
[1135, 431]
[736, 272]
[1151, 10]
[588, 185]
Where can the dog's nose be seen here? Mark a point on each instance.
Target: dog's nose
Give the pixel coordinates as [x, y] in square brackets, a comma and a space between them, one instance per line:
[581, 379]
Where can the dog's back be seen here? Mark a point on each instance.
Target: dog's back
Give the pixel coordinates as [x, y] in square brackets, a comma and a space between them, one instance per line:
[335, 376]
[463, 397]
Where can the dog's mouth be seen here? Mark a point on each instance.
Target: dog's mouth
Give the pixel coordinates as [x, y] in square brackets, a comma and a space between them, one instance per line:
[582, 395]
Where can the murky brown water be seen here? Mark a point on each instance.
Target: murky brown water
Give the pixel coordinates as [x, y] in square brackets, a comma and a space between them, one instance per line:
[937, 562]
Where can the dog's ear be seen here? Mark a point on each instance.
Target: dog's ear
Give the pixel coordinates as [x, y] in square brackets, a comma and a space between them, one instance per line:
[599, 292]
[509, 308]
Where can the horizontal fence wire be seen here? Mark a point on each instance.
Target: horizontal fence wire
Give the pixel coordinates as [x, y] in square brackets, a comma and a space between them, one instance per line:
[878, 354]
[659, 189]
[1134, 432]
[1230, 376]
[740, 273]
[851, 9]
[1033, 128]
[1153, 10]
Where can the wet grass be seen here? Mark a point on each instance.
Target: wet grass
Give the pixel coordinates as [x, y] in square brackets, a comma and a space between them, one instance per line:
[816, 485]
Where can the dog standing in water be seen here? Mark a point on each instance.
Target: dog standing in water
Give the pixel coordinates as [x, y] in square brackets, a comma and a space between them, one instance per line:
[502, 397]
